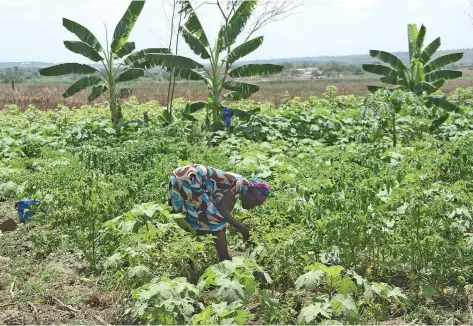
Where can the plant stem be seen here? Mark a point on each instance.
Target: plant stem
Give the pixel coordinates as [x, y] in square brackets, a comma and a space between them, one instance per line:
[174, 76]
[394, 130]
[171, 74]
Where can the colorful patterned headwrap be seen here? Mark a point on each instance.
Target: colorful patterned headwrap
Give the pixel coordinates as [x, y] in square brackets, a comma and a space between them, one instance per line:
[261, 187]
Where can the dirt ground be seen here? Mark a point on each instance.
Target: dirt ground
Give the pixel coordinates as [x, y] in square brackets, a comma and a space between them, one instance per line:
[58, 289]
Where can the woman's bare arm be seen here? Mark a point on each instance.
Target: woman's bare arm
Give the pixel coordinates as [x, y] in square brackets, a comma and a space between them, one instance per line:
[224, 207]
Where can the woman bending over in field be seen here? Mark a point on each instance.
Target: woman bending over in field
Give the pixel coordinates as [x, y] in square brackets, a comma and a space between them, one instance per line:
[207, 197]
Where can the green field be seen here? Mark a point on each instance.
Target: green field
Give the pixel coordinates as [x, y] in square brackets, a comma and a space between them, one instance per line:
[355, 230]
[369, 160]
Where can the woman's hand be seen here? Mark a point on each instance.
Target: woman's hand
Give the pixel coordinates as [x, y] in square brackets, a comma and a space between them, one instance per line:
[245, 231]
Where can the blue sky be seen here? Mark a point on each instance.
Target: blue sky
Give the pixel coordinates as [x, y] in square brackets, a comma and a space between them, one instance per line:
[32, 29]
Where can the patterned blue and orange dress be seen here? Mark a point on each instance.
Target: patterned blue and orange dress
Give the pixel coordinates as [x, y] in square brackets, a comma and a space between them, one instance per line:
[195, 191]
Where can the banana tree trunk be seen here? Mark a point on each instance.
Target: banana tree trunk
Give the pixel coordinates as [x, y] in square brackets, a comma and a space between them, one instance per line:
[119, 112]
[115, 108]
[217, 106]
[215, 113]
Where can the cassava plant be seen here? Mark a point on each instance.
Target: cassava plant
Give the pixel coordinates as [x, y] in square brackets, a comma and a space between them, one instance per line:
[390, 104]
[220, 74]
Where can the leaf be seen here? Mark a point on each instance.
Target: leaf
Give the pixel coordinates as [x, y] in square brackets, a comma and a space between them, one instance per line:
[463, 210]
[194, 26]
[389, 80]
[443, 74]
[195, 44]
[126, 24]
[268, 301]
[241, 317]
[401, 209]
[112, 261]
[310, 281]
[202, 317]
[152, 60]
[241, 87]
[347, 286]
[388, 58]
[442, 61]
[430, 50]
[127, 48]
[420, 40]
[412, 33]
[251, 70]
[68, 69]
[216, 126]
[97, 90]
[235, 96]
[403, 78]
[244, 49]
[427, 290]
[188, 74]
[424, 87]
[309, 314]
[380, 70]
[194, 107]
[229, 32]
[438, 122]
[135, 56]
[137, 226]
[83, 49]
[145, 295]
[82, 33]
[138, 271]
[189, 117]
[335, 270]
[342, 304]
[151, 209]
[267, 278]
[439, 83]
[182, 223]
[130, 74]
[82, 84]
[185, 307]
[222, 309]
[245, 114]
[207, 279]
[396, 294]
[317, 266]
[250, 285]
[442, 103]
[230, 290]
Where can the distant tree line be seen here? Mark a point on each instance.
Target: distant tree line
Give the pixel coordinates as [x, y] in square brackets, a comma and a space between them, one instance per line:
[319, 69]
[18, 74]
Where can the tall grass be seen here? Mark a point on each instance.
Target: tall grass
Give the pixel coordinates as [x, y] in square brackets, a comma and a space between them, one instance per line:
[49, 96]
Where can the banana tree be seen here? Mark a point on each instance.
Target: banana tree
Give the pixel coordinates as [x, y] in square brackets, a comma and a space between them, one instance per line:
[120, 63]
[423, 75]
[220, 74]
